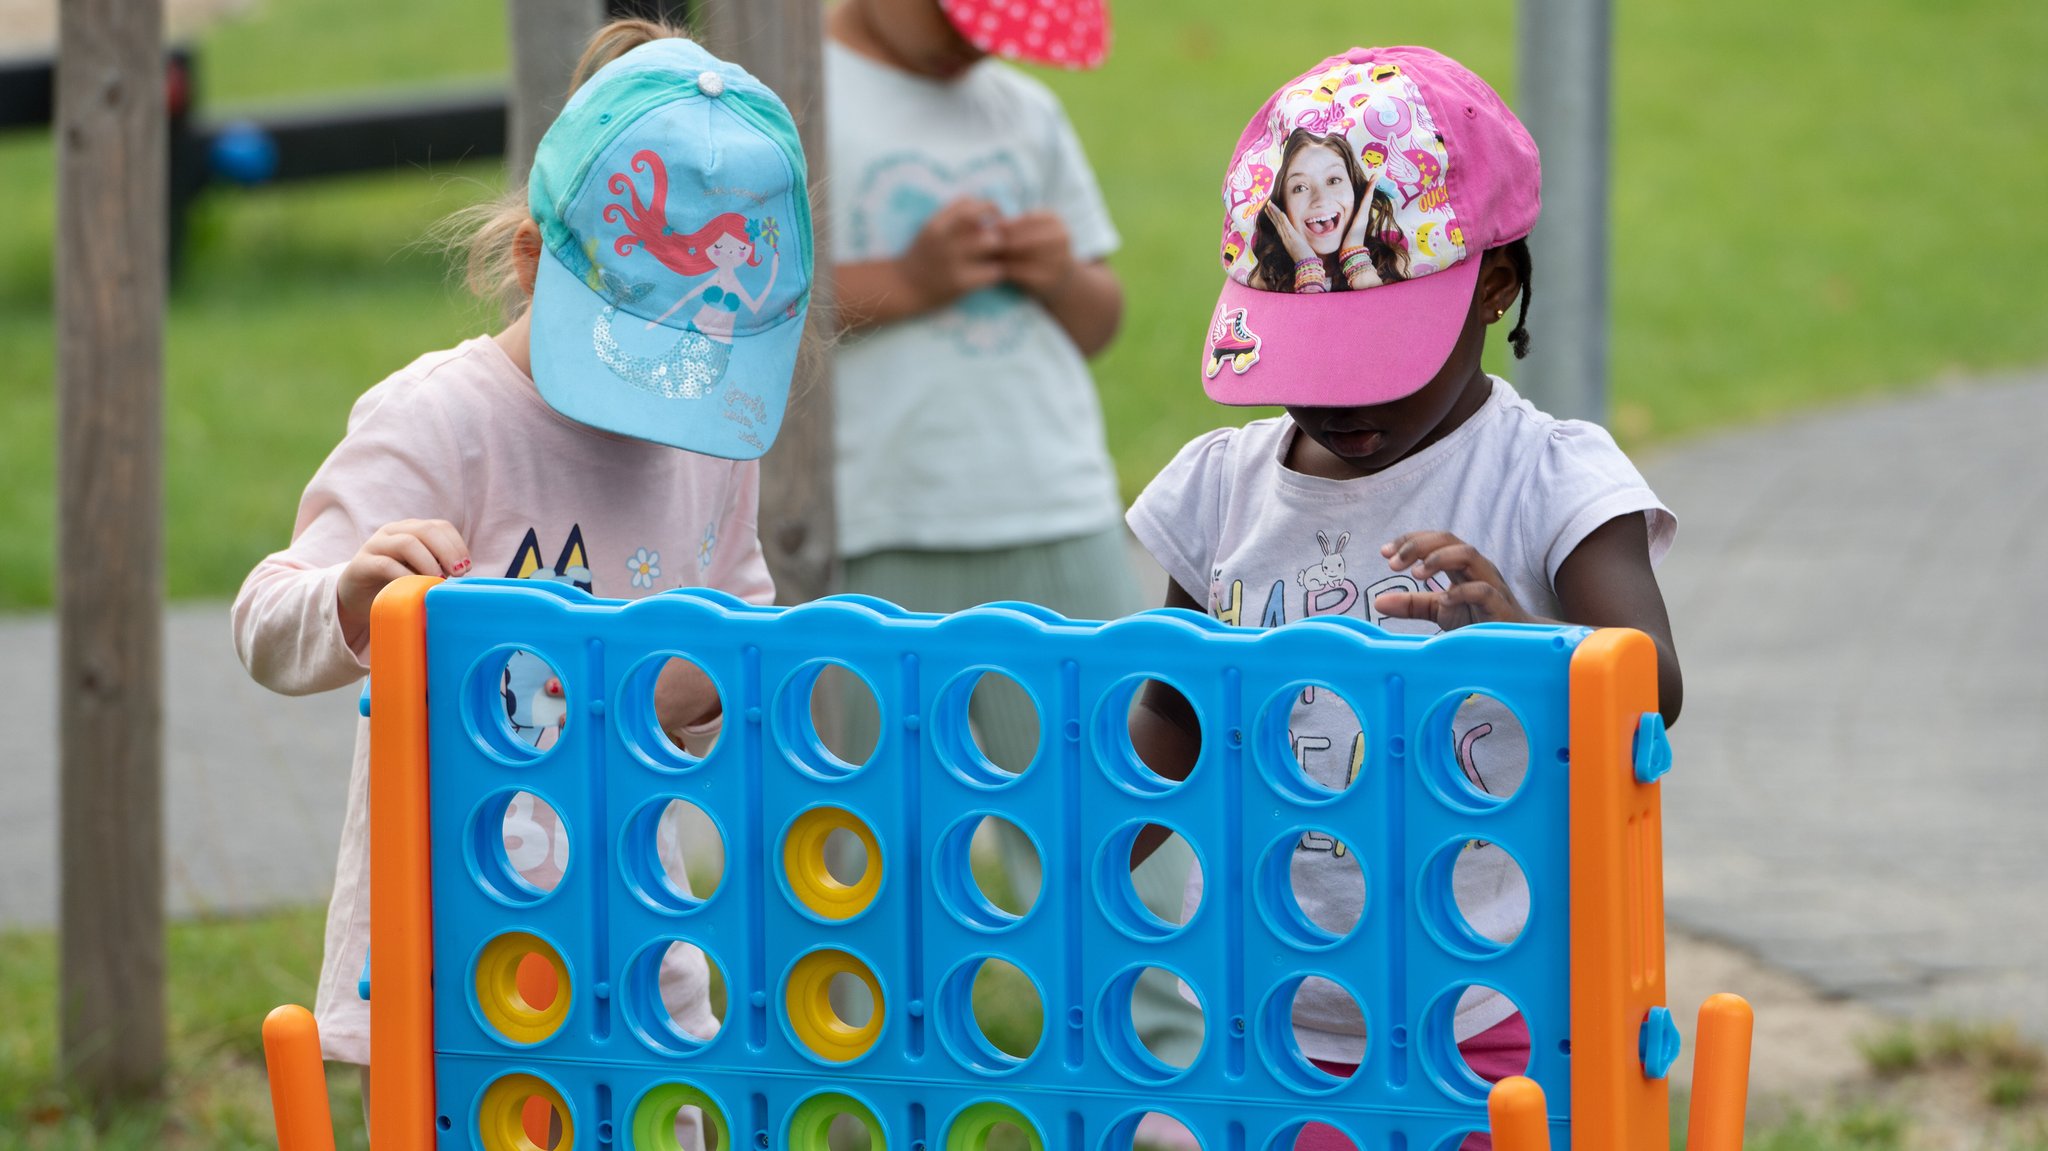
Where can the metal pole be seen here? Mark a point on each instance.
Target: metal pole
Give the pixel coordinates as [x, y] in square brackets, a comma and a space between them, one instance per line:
[547, 37]
[112, 183]
[1563, 64]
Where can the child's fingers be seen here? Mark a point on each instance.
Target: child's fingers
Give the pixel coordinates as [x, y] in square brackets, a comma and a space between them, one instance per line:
[968, 215]
[1461, 561]
[1485, 599]
[407, 551]
[442, 539]
[1464, 602]
[1407, 604]
[1405, 550]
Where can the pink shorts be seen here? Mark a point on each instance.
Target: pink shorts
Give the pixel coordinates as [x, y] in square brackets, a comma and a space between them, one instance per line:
[1495, 1053]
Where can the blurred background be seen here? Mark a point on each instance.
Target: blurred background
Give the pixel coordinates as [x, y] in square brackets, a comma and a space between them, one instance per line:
[1813, 204]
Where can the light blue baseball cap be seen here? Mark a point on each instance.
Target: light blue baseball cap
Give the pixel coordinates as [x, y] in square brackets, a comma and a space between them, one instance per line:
[675, 270]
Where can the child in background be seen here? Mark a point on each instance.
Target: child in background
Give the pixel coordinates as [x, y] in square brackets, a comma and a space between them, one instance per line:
[970, 238]
[605, 438]
[1471, 505]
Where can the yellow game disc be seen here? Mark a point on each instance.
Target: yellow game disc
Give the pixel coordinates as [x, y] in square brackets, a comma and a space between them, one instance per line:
[803, 860]
[504, 1123]
[808, 997]
[504, 990]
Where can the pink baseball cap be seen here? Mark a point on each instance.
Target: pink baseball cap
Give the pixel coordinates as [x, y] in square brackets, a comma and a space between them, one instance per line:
[1062, 33]
[1450, 172]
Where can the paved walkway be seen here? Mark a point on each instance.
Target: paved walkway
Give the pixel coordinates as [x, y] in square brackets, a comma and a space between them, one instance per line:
[1863, 757]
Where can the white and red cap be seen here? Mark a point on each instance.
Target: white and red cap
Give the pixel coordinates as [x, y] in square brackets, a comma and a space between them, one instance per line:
[1452, 172]
[1062, 33]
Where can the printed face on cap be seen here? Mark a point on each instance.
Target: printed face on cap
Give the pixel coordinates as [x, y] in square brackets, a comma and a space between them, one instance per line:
[1347, 157]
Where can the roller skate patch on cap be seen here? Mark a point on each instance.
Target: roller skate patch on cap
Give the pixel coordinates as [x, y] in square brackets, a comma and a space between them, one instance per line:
[1231, 340]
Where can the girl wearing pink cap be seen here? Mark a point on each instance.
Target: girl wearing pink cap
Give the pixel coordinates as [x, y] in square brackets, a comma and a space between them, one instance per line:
[1364, 315]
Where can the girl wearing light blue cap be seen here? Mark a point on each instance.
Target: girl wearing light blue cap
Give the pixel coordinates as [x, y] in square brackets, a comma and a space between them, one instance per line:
[607, 437]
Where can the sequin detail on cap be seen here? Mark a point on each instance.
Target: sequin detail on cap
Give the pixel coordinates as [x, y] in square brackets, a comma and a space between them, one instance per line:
[691, 369]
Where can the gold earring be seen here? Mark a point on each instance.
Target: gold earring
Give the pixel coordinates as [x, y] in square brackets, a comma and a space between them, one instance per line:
[1499, 312]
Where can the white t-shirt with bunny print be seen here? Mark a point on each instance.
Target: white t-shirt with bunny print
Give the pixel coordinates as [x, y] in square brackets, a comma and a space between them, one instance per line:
[1260, 545]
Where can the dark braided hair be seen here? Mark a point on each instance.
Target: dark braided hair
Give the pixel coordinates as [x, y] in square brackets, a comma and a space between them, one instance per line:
[1518, 255]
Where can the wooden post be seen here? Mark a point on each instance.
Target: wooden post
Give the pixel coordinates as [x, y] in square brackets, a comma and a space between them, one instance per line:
[782, 42]
[547, 37]
[112, 168]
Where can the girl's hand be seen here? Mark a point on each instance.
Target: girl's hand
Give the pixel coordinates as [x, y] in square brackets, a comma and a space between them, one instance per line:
[1365, 275]
[1478, 593]
[958, 251]
[684, 697]
[1354, 236]
[1290, 236]
[1038, 255]
[407, 547]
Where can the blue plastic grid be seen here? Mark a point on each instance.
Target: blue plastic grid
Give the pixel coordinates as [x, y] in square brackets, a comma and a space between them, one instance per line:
[1243, 806]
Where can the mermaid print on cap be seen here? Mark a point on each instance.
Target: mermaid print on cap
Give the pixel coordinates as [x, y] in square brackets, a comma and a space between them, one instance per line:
[695, 364]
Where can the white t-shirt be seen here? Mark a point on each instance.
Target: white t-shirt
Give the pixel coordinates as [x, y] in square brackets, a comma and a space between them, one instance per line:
[976, 426]
[1261, 545]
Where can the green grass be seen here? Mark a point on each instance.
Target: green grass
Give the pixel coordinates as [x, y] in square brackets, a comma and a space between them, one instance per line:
[223, 977]
[1805, 210]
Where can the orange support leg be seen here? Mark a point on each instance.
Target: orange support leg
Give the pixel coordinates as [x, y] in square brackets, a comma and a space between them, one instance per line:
[1515, 1112]
[298, 1083]
[1720, 1077]
[401, 890]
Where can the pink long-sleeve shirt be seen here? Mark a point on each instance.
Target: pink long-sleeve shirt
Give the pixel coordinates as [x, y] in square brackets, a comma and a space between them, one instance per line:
[462, 435]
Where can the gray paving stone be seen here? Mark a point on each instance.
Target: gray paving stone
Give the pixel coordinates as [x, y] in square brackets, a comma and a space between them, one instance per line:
[1861, 759]
[254, 782]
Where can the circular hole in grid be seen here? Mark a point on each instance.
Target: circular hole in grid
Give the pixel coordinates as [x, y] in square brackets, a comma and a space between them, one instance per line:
[1171, 732]
[1310, 888]
[1497, 1046]
[822, 849]
[1311, 1133]
[986, 727]
[846, 857]
[675, 1116]
[991, 1015]
[673, 996]
[1476, 751]
[1308, 1001]
[833, 1121]
[1311, 743]
[524, 1112]
[833, 1005]
[517, 847]
[520, 988]
[665, 697]
[672, 854]
[515, 704]
[1116, 887]
[992, 1126]
[828, 720]
[1469, 1139]
[1151, 1131]
[541, 1122]
[987, 871]
[1135, 1056]
[1474, 898]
